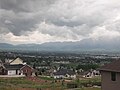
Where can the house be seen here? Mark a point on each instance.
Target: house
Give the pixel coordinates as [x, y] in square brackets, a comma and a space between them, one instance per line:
[110, 74]
[16, 67]
[27, 70]
[64, 73]
[12, 69]
[91, 73]
[19, 69]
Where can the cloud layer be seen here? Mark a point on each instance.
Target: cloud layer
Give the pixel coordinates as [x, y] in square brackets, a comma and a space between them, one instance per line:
[39, 21]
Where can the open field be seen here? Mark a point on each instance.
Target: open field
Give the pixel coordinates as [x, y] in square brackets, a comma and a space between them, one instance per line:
[89, 89]
[31, 83]
[92, 89]
[38, 83]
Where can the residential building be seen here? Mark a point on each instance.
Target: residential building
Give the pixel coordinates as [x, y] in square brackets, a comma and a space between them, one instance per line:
[91, 73]
[64, 73]
[110, 74]
[16, 67]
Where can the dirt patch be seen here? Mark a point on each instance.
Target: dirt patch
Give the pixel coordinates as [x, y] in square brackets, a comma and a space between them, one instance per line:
[38, 80]
[38, 89]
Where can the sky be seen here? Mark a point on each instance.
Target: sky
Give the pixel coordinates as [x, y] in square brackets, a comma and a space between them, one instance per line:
[40, 21]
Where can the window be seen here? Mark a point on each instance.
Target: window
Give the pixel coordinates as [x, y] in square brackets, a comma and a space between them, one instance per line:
[113, 76]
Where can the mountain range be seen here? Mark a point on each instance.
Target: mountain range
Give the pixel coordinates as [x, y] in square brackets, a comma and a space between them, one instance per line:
[84, 45]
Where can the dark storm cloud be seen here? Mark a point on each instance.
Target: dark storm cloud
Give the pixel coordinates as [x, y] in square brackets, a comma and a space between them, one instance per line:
[24, 5]
[21, 14]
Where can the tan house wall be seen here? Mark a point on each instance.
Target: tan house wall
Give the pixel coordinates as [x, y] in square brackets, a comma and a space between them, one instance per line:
[107, 83]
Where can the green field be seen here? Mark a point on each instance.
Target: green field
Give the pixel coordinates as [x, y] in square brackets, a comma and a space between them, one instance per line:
[89, 89]
[42, 83]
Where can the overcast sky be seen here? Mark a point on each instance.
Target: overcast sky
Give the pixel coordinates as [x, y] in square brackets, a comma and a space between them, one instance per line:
[39, 21]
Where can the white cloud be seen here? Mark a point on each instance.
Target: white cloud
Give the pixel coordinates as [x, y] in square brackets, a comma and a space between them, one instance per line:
[57, 31]
[8, 22]
[103, 34]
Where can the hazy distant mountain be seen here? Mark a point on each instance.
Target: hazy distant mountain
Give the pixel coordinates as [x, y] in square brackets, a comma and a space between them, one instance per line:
[84, 45]
[6, 45]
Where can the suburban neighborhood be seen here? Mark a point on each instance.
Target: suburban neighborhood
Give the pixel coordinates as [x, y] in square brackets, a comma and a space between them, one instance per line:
[70, 72]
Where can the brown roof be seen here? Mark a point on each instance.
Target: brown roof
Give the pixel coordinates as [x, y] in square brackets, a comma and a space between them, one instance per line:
[114, 66]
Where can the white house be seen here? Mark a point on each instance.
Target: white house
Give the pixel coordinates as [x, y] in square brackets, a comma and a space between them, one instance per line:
[91, 73]
[64, 73]
[16, 67]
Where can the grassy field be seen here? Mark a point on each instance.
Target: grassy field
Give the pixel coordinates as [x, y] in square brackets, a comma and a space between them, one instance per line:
[92, 89]
[89, 89]
[40, 83]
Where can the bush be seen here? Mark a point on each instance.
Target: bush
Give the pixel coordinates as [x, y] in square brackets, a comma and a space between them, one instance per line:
[72, 85]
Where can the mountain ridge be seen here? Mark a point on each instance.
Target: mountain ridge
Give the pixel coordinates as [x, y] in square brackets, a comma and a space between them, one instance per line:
[85, 45]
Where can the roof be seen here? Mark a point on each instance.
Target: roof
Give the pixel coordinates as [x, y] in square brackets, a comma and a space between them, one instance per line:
[17, 61]
[114, 66]
[13, 67]
[27, 65]
[64, 72]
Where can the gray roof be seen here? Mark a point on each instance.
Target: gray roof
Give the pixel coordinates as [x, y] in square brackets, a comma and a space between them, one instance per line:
[13, 67]
[64, 72]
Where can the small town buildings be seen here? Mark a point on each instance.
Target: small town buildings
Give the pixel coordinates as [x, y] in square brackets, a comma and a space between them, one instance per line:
[64, 73]
[110, 74]
[16, 67]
